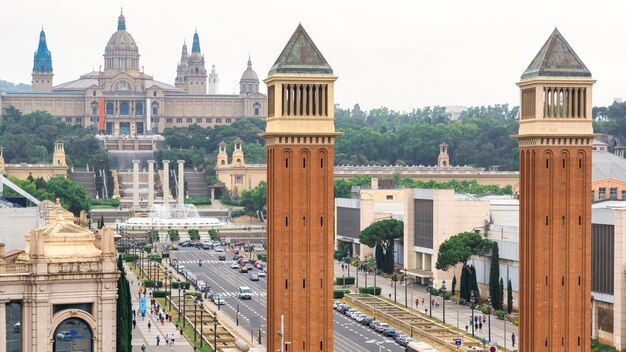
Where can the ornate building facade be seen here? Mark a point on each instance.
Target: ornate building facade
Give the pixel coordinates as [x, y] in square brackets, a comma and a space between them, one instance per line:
[300, 137]
[555, 138]
[121, 99]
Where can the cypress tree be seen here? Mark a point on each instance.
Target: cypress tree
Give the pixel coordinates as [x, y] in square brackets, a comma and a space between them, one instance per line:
[124, 314]
[464, 285]
[501, 294]
[454, 285]
[101, 223]
[494, 276]
[509, 297]
[474, 284]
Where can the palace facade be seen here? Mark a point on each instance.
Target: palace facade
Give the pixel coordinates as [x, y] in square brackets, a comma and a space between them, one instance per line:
[121, 99]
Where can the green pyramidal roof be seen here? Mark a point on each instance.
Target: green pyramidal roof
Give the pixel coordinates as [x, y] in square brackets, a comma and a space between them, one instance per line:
[556, 59]
[300, 55]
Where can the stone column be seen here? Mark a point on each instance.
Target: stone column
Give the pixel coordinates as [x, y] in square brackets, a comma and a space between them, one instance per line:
[150, 183]
[181, 183]
[3, 319]
[166, 181]
[135, 184]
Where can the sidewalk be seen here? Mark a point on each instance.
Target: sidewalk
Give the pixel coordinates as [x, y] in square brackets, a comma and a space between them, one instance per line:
[456, 315]
[141, 334]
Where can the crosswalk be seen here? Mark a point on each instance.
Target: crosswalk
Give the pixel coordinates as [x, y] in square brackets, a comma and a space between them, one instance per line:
[236, 294]
[204, 261]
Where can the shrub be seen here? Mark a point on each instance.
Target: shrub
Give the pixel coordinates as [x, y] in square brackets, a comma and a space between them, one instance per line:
[147, 248]
[109, 202]
[194, 235]
[159, 294]
[515, 322]
[340, 293]
[122, 249]
[434, 291]
[198, 201]
[447, 296]
[484, 309]
[500, 314]
[348, 280]
[370, 290]
[193, 293]
[237, 213]
[181, 284]
[154, 257]
[152, 283]
[173, 234]
[129, 257]
[213, 234]
[338, 255]
[262, 256]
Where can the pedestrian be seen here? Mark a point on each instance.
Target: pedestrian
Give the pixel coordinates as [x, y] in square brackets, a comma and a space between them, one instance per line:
[417, 303]
[163, 321]
[422, 300]
[512, 338]
[158, 339]
[480, 325]
[476, 327]
[134, 323]
[465, 328]
[149, 325]
[172, 339]
[181, 332]
[484, 341]
[143, 348]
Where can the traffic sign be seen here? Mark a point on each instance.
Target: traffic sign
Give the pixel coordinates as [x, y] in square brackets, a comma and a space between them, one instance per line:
[457, 342]
[493, 349]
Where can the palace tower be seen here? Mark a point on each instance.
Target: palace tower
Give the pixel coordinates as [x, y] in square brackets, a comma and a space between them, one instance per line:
[555, 137]
[42, 67]
[300, 136]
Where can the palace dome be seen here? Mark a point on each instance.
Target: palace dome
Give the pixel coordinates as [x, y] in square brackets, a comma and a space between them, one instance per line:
[121, 42]
[249, 76]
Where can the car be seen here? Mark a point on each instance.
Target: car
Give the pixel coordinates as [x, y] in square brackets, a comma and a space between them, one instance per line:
[17, 327]
[339, 306]
[245, 292]
[201, 285]
[236, 252]
[67, 335]
[336, 303]
[207, 245]
[236, 257]
[217, 299]
[344, 308]
[389, 332]
[402, 339]
[234, 265]
[219, 249]
[380, 326]
[373, 323]
[359, 317]
[254, 277]
[197, 245]
[367, 320]
[356, 314]
[243, 270]
[349, 311]
[249, 266]
[172, 247]
[262, 274]
[180, 268]
[221, 258]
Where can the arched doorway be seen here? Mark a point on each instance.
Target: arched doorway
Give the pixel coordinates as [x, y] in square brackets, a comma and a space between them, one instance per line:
[73, 335]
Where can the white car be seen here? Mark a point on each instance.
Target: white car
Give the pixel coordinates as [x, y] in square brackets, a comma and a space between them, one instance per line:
[219, 249]
[217, 299]
[262, 274]
[234, 265]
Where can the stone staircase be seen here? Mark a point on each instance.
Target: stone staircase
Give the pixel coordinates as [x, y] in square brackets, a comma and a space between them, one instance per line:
[196, 185]
[87, 179]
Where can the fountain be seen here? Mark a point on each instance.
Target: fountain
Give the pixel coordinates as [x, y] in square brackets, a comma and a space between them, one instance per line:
[165, 217]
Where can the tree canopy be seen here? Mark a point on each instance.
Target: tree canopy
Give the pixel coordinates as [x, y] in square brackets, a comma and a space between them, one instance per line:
[460, 248]
[72, 195]
[255, 199]
[381, 234]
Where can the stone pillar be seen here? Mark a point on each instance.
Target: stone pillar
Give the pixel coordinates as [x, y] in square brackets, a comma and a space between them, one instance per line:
[166, 181]
[135, 184]
[150, 183]
[3, 319]
[181, 183]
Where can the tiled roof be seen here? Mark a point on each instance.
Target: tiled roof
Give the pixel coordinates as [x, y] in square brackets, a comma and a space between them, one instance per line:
[606, 165]
[556, 59]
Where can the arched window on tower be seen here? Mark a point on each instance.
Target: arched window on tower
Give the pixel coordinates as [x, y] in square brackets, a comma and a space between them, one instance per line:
[138, 108]
[257, 108]
[197, 70]
[124, 108]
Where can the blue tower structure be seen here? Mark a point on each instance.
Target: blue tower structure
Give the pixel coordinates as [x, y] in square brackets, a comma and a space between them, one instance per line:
[42, 67]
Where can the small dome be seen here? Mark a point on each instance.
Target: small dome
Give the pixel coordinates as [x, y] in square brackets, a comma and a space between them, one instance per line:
[121, 42]
[249, 76]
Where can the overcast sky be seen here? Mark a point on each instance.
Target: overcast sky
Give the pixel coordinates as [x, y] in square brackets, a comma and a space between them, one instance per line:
[399, 54]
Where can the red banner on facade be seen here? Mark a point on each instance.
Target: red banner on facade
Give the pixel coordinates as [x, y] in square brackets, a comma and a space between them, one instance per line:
[101, 112]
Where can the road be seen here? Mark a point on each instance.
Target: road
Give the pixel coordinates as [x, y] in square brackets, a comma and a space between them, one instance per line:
[349, 335]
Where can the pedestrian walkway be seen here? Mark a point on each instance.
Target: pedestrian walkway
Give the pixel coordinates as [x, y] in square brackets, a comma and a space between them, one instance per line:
[456, 315]
[142, 335]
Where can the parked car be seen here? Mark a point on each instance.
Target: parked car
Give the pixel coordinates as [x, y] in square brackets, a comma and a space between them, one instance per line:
[262, 274]
[380, 326]
[254, 277]
[234, 265]
[367, 320]
[207, 245]
[336, 303]
[402, 339]
[201, 285]
[243, 270]
[217, 299]
[198, 245]
[219, 249]
[17, 327]
[390, 332]
[221, 257]
[359, 317]
[249, 266]
[349, 311]
[180, 268]
[373, 323]
[186, 243]
[245, 292]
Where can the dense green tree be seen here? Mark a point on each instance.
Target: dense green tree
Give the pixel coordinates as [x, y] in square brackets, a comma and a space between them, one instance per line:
[454, 285]
[494, 277]
[72, 195]
[194, 235]
[255, 199]
[343, 187]
[500, 294]
[124, 311]
[509, 297]
[382, 234]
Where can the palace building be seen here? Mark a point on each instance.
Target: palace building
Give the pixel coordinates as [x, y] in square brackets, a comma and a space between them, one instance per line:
[121, 99]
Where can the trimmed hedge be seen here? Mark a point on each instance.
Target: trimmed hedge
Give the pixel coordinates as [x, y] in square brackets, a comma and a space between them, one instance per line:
[154, 257]
[147, 248]
[340, 293]
[193, 293]
[122, 249]
[338, 255]
[153, 283]
[371, 290]
[129, 257]
[181, 284]
[349, 280]
[159, 294]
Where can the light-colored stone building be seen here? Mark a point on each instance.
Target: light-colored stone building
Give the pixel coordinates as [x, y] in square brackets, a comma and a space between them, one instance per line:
[236, 175]
[121, 99]
[22, 171]
[59, 293]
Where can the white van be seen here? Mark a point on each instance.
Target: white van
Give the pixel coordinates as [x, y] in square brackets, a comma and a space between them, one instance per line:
[245, 292]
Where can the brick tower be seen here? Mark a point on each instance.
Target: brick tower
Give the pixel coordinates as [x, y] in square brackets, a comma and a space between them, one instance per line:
[555, 137]
[300, 136]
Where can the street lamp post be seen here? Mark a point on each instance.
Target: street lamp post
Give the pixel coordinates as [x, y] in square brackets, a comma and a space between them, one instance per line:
[357, 273]
[443, 293]
[472, 301]
[201, 320]
[374, 279]
[367, 267]
[195, 319]
[430, 292]
[169, 274]
[395, 288]
[406, 287]
[489, 313]
[214, 331]
[179, 301]
[184, 307]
